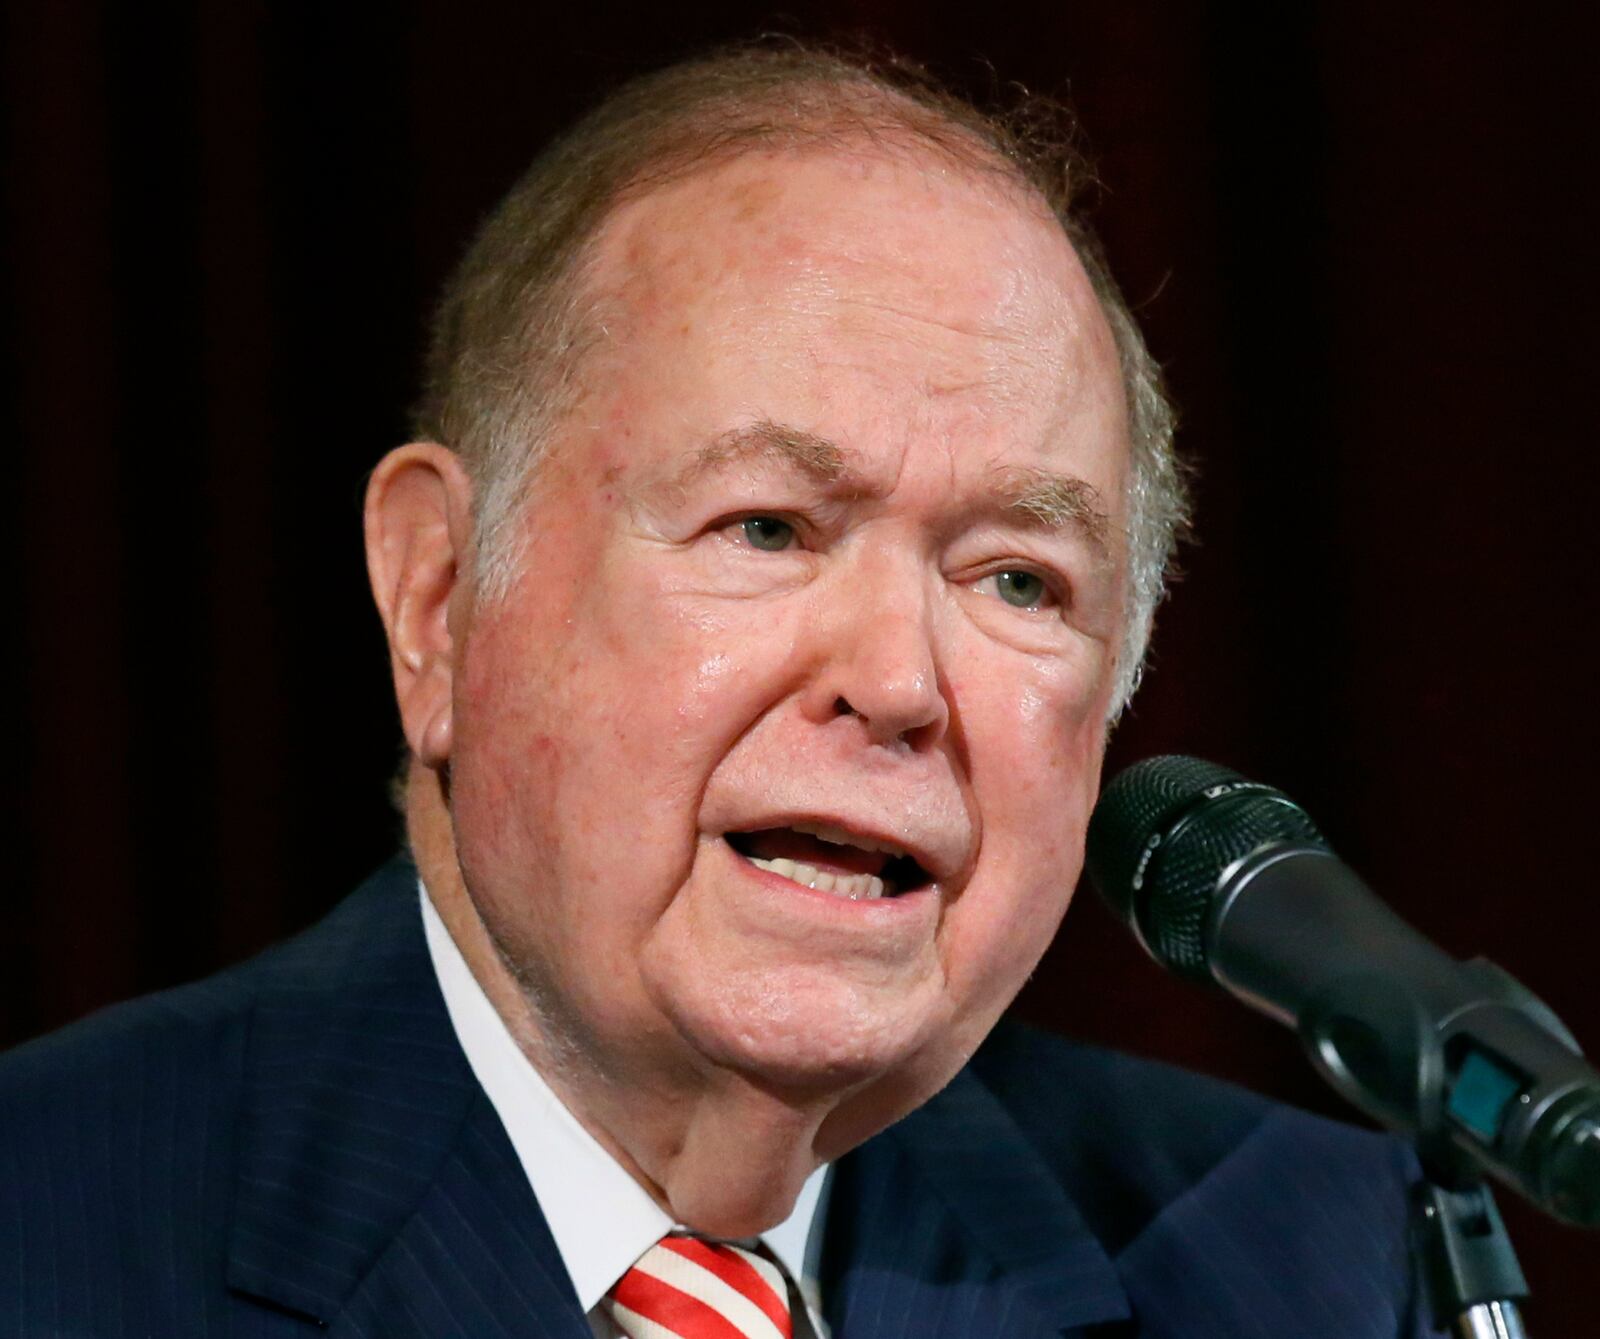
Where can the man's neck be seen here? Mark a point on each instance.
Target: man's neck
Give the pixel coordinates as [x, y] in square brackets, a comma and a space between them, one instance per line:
[715, 1151]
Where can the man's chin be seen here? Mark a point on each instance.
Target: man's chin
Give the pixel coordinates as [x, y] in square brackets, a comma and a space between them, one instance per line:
[810, 1074]
[858, 1073]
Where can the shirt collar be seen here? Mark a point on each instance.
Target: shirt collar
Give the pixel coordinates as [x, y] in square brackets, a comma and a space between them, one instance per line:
[600, 1217]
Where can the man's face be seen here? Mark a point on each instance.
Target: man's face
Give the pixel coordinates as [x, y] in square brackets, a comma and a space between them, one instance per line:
[825, 567]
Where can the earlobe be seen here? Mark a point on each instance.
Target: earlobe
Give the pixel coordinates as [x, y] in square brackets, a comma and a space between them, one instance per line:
[418, 536]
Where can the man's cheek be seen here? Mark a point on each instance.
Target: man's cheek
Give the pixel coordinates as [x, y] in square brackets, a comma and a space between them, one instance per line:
[1059, 714]
[999, 938]
[719, 666]
[504, 807]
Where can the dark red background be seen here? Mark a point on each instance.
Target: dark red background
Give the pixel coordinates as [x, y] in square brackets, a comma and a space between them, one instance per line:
[1360, 236]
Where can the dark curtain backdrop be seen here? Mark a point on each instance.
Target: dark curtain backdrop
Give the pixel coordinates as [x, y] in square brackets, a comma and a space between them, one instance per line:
[1362, 242]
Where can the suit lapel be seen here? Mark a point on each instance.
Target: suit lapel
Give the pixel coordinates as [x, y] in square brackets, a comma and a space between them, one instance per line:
[1296, 1231]
[377, 1192]
[948, 1224]
[475, 1260]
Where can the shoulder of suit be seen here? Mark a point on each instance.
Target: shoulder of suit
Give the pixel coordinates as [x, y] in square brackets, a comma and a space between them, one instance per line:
[190, 1038]
[1129, 1137]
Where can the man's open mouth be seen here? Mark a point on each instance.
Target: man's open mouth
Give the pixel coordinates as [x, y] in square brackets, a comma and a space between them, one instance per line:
[831, 860]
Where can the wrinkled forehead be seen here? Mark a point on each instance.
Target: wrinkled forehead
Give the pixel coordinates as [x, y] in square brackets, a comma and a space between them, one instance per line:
[978, 246]
[785, 244]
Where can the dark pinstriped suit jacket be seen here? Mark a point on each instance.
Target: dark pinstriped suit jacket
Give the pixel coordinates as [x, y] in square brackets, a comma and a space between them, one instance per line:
[299, 1144]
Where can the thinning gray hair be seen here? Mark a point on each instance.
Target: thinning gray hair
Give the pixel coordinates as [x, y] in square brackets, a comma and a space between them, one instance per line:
[516, 319]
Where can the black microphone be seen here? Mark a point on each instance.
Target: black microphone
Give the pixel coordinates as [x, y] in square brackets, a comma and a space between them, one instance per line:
[1228, 882]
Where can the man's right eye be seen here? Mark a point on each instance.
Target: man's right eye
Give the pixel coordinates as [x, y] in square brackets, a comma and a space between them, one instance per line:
[768, 533]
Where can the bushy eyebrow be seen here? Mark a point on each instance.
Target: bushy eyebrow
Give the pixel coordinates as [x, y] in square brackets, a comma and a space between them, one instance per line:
[775, 443]
[1039, 499]
[1056, 502]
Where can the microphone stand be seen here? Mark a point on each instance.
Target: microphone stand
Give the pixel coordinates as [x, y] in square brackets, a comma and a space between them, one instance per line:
[1466, 1262]
[1462, 1251]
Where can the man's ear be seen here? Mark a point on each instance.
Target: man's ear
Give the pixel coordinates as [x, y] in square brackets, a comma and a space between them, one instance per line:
[419, 548]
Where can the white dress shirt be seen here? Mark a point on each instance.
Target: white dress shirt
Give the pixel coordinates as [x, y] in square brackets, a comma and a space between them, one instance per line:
[600, 1217]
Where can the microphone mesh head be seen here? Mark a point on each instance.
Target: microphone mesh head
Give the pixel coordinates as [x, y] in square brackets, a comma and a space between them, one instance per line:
[1161, 837]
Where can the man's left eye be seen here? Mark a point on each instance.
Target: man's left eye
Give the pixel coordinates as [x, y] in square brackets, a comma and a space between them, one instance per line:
[768, 533]
[1024, 590]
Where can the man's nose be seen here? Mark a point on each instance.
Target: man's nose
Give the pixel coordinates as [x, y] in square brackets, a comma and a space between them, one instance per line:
[880, 664]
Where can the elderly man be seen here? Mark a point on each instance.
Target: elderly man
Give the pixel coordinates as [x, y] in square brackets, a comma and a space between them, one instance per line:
[796, 502]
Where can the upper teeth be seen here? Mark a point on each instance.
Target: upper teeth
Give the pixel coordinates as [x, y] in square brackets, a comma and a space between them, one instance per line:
[839, 837]
[854, 886]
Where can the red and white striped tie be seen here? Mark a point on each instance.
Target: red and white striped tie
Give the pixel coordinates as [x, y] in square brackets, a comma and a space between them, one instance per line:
[685, 1288]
